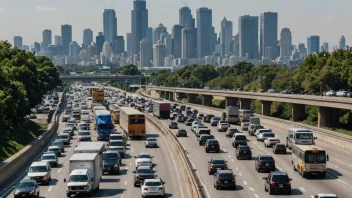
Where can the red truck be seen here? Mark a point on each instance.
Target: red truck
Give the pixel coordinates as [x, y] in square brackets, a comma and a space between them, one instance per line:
[161, 109]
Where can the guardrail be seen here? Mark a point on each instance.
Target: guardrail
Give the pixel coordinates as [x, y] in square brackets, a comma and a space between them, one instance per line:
[193, 181]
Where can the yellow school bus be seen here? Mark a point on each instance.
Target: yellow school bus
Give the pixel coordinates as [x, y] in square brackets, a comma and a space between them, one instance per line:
[115, 113]
[98, 95]
[132, 122]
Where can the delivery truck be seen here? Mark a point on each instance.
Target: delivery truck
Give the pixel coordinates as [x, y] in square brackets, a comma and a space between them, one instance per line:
[161, 109]
[232, 115]
[85, 174]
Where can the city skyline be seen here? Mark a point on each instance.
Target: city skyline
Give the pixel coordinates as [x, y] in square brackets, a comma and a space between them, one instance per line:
[328, 23]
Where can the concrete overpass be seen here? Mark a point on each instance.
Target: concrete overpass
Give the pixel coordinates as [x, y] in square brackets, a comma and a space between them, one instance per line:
[328, 106]
[137, 79]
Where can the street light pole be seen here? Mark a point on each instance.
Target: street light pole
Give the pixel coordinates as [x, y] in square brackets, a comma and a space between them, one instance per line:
[290, 77]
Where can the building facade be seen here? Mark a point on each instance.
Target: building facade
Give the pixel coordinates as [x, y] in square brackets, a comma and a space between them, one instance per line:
[248, 36]
[139, 24]
[205, 44]
[268, 34]
[66, 38]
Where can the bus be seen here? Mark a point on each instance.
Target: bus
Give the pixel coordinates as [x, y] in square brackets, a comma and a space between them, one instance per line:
[103, 124]
[132, 122]
[115, 113]
[309, 160]
[98, 95]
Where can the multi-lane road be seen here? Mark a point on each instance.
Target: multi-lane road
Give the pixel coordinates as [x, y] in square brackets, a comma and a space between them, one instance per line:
[165, 165]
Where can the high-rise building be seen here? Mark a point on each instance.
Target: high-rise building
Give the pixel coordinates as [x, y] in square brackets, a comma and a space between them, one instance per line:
[17, 42]
[58, 40]
[55, 50]
[177, 39]
[313, 43]
[268, 34]
[100, 34]
[186, 20]
[139, 24]
[168, 44]
[66, 38]
[342, 42]
[47, 40]
[226, 34]
[74, 49]
[325, 47]
[204, 32]
[36, 47]
[157, 32]
[107, 50]
[92, 50]
[110, 25]
[159, 54]
[236, 45]
[285, 43]
[302, 48]
[119, 45]
[26, 47]
[144, 57]
[87, 37]
[248, 36]
[186, 43]
[129, 44]
[99, 40]
[150, 42]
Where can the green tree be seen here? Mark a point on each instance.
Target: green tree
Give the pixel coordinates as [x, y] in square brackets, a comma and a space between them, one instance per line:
[129, 70]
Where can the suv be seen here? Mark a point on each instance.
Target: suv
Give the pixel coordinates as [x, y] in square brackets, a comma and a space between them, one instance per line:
[215, 164]
[207, 118]
[224, 179]
[231, 132]
[141, 173]
[212, 145]
[173, 125]
[265, 163]
[111, 162]
[279, 148]
[244, 126]
[277, 182]
[222, 126]
[214, 120]
[243, 152]
[239, 139]
[203, 138]
[253, 128]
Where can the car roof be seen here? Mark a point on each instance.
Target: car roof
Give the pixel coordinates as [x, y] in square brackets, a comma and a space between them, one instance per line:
[49, 154]
[40, 163]
[225, 171]
[28, 180]
[265, 156]
[144, 167]
[278, 173]
[53, 147]
[116, 141]
[327, 195]
[116, 134]
[111, 151]
[152, 180]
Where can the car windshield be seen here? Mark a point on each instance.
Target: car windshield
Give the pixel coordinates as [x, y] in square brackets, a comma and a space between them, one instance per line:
[151, 139]
[268, 135]
[280, 145]
[213, 142]
[78, 178]
[105, 126]
[182, 130]
[110, 156]
[244, 148]
[241, 137]
[83, 133]
[144, 171]
[54, 149]
[304, 136]
[216, 118]
[70, 125]
[116, 143]
[280, 179]
[116, 137]
[62, 137]
[56, 143]
[152, 184]
[225, 175]
[26, 185]
[266, 158]
[48, 157]
[233, 130]
[143, 156]
[218, 162]
[34, 169]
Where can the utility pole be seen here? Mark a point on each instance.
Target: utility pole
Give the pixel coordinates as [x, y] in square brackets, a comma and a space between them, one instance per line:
[290, 78]
[261, 78]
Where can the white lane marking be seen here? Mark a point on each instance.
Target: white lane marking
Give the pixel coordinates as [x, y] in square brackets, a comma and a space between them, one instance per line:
[232, 160]
[336, 166]
[51, 187]
[130, 163]
[224, 150]
[229, 155]
[69, 149]
[66, 162]
[342, 182]
[126, 168]
[122, 196]
[312, 196]
[125, 183]
[302, 189]
[256, 196]
[252, 189]
[59, 170]
[245, 183]
[236, 168]
[279, 168]
[240, 174]
[350, 165]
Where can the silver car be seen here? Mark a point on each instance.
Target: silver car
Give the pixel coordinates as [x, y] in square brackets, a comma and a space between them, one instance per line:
[51, 158]
[84, 135]
[118, 145]
[64, 137]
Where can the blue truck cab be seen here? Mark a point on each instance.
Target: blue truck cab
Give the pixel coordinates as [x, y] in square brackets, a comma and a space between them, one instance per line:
[104, 125]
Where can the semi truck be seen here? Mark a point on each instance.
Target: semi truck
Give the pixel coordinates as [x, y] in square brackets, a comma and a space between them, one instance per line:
[103, 124]
[161, 109]
[232, 115]
[85, 174]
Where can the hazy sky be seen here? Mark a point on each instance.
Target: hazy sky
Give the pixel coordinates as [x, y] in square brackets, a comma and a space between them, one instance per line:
[27, 18]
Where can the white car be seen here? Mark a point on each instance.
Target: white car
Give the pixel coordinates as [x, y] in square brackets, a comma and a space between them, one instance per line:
[153, 187]
[259, 131]
[263, 136]
[269, 142]
[144, 162]
[342, 93]
[321, 195]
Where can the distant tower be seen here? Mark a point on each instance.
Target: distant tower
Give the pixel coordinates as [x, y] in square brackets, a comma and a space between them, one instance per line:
[204, 32]
[144, 57]
[285, 43]
[159, 54]
[186, 43]
[47, 40]
[139, 24]
[248, 36]
[313, 44]
[110, 25]
[87, 37]
[66, 38]
[268, 33]
[342, 42]
[225, 36]
[17, 42]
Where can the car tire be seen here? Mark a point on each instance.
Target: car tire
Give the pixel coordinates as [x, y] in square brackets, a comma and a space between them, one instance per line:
[270, 192]
[68, 194]
[237, 157]
[265, 189]
[217, 187]
[289, 192]
[38, 195]
[135, 185]
[206, 150]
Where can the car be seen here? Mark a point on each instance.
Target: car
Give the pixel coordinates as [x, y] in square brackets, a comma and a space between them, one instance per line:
[40, 172]
[200, 116]
[181, 132]
[239, 139]
[59, 144]
[278, 183]
[153, 187]
[244, 126]
[279, 148]
[26, 188]
[64, 137]
[173, 125]
[243, 152]
[151, 143]
[118, 136]
[230, 133]
[212, 145]
[262, 136]
[144, 162]
[51, 158]
[55, 149]
[141, 173]
[323, 195]
[189, 121]
[222, 126]
[68, 130]
[214, 120]
[83, 124]
[264, 163]
[195, 124]
[331, 93]
[118, 145]
[269, 142]
[65, 118]
[68, 111]
[73, 121]
[43, 109]
[224, 179]
[207, 118]
[84, 135]
[71, 125]
[253, 128]
[215, 164]
[261, 130]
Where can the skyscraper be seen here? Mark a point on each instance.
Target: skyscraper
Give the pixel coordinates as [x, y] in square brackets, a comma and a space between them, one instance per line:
[99, 40]
[73, 49]
[285, 43]
[159, 54]
[302, 48]
[225, 36]
[177, 38]
[186, 43]
[58, 40]
[313, 43]
[187, 21]
[119, 45]
[110, 25]
[139, 24]
[325, 47]
[168, 44]
[248, 36]
[129, 43]
[157, 32]
[268, 33]
[107, 50]
[150, 42]
[87, 37]
[36, 47]
[66, 38]
[144, 58]
[342, 42]
[47, 40]
[236, 45]
[17, 42]
[91, 50]
[204, 32]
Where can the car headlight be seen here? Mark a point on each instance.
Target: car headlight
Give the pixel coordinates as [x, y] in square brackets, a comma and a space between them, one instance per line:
[32, 192]
[46, 177]
[116, 166]
[86, 187]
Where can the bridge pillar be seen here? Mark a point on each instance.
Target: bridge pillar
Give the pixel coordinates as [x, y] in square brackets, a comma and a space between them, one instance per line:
[171, 96]
[298, 112]
[245, 103]
[230, 101]
[163, 94]
[328, 117]
[266, 106]
[192, 98]
[207, 100]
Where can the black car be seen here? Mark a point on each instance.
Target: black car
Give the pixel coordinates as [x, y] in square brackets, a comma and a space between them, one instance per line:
[181, 132]
[224, 179]
[180, 118]
[215, 164]
[243, 152]
[212, 145]
[265, 163]
[142, 173]
[203, 139]
[173, 125]
[278, 183]
[207, 118]
[231, 132]
[189, 121]
[27, 188]
[279, 148]
[111, 162]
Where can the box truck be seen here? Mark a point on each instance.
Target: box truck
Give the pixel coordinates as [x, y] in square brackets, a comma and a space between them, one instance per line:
[161, 109]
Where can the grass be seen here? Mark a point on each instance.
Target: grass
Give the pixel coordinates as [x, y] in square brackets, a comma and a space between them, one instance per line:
[217, 102]
[20, 139]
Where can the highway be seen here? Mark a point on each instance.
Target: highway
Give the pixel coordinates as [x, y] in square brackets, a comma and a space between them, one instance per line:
[165, 165]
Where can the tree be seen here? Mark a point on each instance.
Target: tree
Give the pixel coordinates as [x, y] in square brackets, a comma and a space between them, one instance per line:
[129, 70]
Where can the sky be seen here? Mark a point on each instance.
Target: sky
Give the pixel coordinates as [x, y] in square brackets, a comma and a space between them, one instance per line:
[28, 18]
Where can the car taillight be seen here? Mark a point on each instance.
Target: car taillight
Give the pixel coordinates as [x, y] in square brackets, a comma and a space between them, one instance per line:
[145, 189]
[288, 183]
[225, 167]
[274, 161]
[219, 179]
[233, 179]
[272, 183]
[211, 166]
[161, 188]
[138, 163]
[260, 162]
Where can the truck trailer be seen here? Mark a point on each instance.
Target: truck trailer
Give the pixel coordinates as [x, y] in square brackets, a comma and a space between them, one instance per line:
[161, 109]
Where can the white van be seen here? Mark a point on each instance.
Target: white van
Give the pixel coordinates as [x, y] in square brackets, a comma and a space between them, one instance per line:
[40, 172]
[299, 136]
